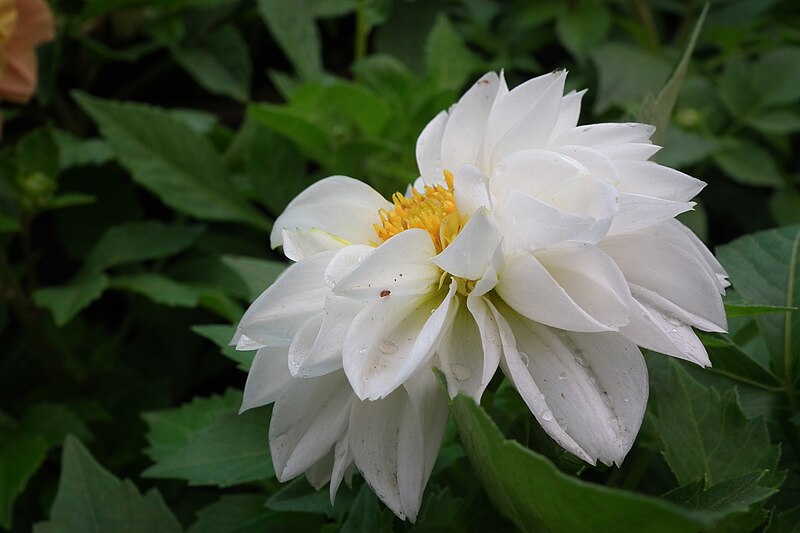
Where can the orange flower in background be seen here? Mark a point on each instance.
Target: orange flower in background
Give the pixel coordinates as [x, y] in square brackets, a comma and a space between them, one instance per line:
[24, 24]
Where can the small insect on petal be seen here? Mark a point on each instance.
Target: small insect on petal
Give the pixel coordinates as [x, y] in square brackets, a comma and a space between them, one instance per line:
[385, 293]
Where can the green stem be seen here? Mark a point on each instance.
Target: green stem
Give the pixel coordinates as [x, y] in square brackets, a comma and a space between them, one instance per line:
[645, 14]
[362, 31]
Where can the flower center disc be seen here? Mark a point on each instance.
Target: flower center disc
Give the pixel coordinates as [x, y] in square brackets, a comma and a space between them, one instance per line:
[433, 210]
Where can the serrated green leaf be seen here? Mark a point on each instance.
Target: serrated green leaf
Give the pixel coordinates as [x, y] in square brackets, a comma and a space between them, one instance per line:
[448, 61]
[140, 241]
[364, 516]
[76, 152]
[300, 497]
[221, 335]
[765, 270]
[232, 450]
[784, 522]
[234, 513]
[257, 274]
[160, 289]
[171, 429]
[295, 126]
[20, 458]
[705, 435]
[171, 160]
[733, 361]
[512, 474]
[91, 500]
[220, 62]
[734, 495]
[68, 300]
[295, 31]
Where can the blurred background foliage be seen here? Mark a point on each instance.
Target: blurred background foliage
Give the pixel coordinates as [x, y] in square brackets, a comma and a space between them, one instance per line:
[137, 191]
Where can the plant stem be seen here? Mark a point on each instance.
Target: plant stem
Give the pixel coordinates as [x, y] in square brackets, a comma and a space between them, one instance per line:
[362, 31]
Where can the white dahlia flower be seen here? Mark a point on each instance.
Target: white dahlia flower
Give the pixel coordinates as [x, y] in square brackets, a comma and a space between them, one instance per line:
[528, 242]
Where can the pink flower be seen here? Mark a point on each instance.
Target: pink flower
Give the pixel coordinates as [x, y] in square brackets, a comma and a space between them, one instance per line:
[24, 24]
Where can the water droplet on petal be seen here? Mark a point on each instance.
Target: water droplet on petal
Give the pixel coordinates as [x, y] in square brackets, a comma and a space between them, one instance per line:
[562, 376]
[612, 421]
[362, 349]
[461, 372]
[592, 380]
[547, 415]
[580, 360]
[388, 347]
[330, 282]
[626, 399]
[672, 319]
[524, 358]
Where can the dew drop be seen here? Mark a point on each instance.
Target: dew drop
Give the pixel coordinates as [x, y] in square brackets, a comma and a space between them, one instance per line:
[612, 421]
[672, 319]
[541, 397]
[592, 380]
[388, 347]
[562, 376]
[525, 359]
[547, 415]
[362, 349]
[673, 330]
[330, 282]
[461, 372]
[626, 400]
[580, 360]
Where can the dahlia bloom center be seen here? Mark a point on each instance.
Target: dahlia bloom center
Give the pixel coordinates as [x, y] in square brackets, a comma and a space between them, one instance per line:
[433, 210]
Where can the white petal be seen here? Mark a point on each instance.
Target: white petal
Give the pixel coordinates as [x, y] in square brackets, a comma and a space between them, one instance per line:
[529, 289]
[470, 190]
[345, 261]
[533, 172]
[297, 294]
[470, 253]
[470, 352]
[631, 151]
[341, 206]
[394, 443]
[597, 164]
[651, 179]
[342, 463]
[592, 280]
[529, 224]
[463, 134]
[569, 113]
[594, 385]
[402, 265]
[705, 253]
[606, 135]
[637, 212]
[309, 417]
[536, 121]
[267, 377]
[515, 367]
[661, 259]
[317, 348]
[320, 472]
[246, 344]
[392, 337]
[429, 150]
[513, 108]
[660, 332]
[299, 244]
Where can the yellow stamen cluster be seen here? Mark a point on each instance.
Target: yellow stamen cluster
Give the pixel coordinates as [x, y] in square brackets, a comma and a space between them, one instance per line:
[434, 211]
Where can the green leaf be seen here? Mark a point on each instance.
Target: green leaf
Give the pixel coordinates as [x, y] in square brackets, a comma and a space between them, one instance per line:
[220, 335]
[295, 31]
[626, 75]
[364, 516]
[234, 513]
[20, 458]
[776, 121]
[299, 496]
[776, 74]
[736, 310]
[749, 164]
[785, 207]
[731, 360]
[536, 496]
[220, 62]
[37, 152]
[171, 429]
[657, 111]
[171, 160]
[705, 435]
[140, 241]
[765, 270]
[76, 152]
[295, 126]
[158, 288]
[68, 300]
[683, 148]
[737, 89]
[448, 60]
[785, 522]
[229, 449]
[90, 499]
[53, 422]
[735, 495]
[582, 27]
[257, 274]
